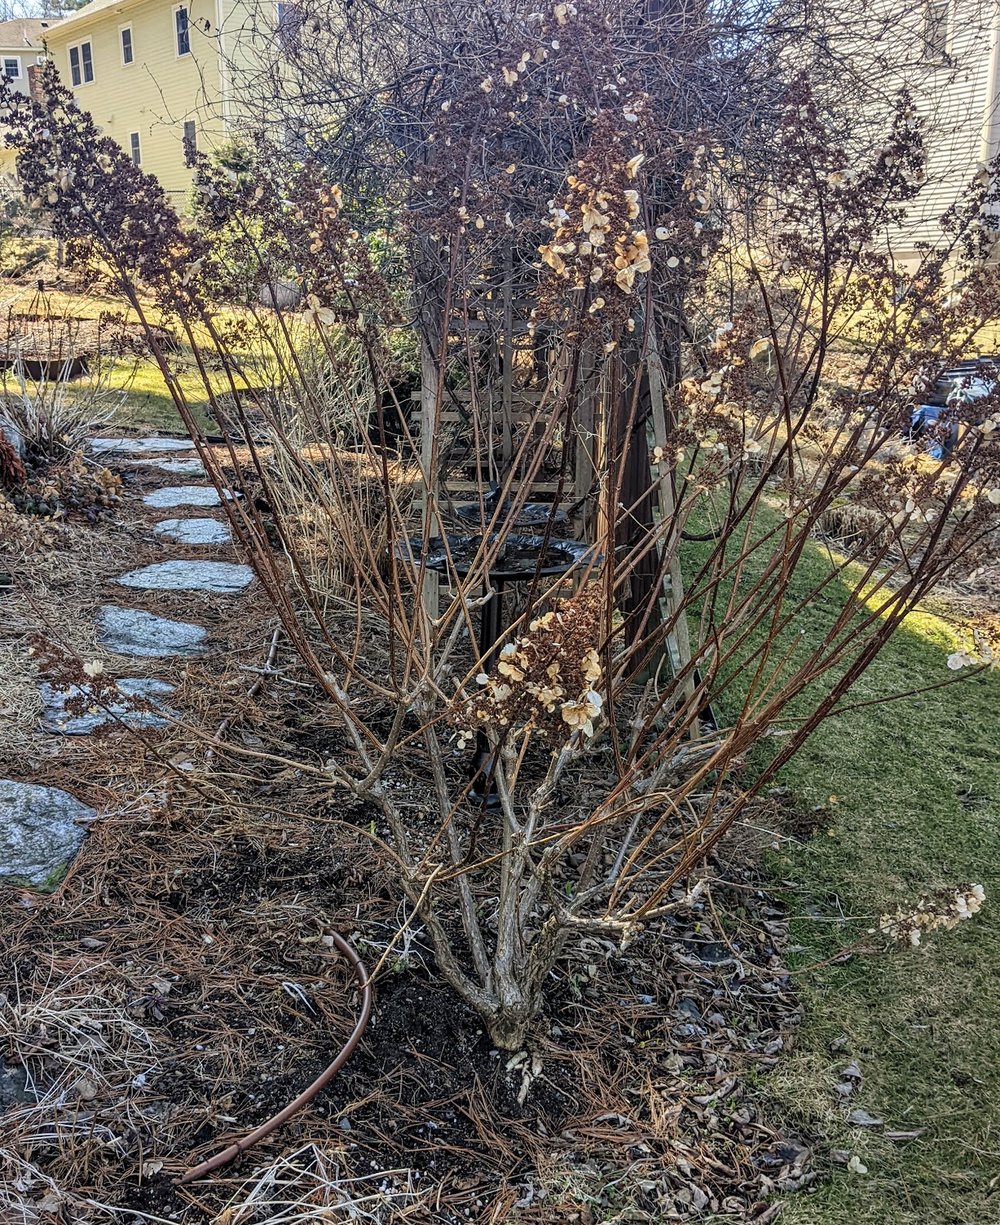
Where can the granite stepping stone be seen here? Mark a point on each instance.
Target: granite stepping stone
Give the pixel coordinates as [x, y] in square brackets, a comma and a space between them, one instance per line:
[194, 531]
[57, 719]
[40, 831]
[185, 495]
[177, 467]
[220, 577]
[14, 1089]
[130, 631]
[138, 446]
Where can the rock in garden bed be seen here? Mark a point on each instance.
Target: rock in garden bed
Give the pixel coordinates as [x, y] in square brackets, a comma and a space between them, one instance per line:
[41, 829]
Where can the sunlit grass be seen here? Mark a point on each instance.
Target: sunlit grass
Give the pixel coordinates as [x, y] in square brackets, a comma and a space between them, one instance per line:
[905, 797]
[146, 403]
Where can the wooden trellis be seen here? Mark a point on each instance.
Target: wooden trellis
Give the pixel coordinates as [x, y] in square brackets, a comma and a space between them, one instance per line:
[476, 429]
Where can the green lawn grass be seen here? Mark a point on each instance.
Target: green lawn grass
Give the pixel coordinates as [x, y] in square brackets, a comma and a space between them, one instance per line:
[917, 787]
[907, 798]
[146, 405]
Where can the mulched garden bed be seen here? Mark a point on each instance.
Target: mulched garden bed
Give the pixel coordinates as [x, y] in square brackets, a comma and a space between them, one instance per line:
[193, 930]
[181, 986]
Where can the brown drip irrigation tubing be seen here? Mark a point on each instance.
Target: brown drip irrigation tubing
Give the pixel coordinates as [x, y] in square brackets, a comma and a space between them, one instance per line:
[307, 1095]
[346, 1051]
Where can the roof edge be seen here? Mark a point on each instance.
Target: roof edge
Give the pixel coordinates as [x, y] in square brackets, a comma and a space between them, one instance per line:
[83, 16]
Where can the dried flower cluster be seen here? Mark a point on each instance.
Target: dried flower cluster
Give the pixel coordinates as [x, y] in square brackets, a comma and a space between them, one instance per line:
[598, 237]
[858, 200]
[937, 911]
[546, 680]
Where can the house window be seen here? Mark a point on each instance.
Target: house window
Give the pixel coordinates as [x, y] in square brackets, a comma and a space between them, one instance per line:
[135, 149]
[936, 30]
[190, 137]
[295, 139]
[12, 68]
[182, 30]
[128, 54]
[81, 64]
[288, 21]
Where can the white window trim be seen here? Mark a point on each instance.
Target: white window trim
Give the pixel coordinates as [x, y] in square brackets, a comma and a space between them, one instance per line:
[78, 47]
[138, 146]
[20, 66]
[121, 49]
[181, 55]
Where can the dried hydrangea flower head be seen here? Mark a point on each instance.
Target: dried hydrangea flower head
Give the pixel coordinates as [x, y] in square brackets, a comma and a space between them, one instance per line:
[943, 910]
[546, 679]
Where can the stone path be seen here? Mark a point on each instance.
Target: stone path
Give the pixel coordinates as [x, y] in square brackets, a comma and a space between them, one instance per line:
[60, 719]
[221, 577]
[194, 531]
[179, 467]
[183, 495]
[41, 828]
[138, 446]
[129, 631]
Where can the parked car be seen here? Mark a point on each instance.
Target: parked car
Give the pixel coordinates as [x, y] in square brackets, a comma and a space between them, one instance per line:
[935, 419]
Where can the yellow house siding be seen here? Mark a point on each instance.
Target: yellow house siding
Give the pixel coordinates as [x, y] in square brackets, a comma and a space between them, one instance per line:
[156, 93]
[884, 47]
[255, 59]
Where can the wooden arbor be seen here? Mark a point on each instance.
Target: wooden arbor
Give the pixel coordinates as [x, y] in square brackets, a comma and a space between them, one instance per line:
[502, 416]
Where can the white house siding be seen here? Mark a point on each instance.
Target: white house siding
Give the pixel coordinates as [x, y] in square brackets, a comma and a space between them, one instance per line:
[21, 39]
[873, 49]
[954, 101]
[26, 57]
